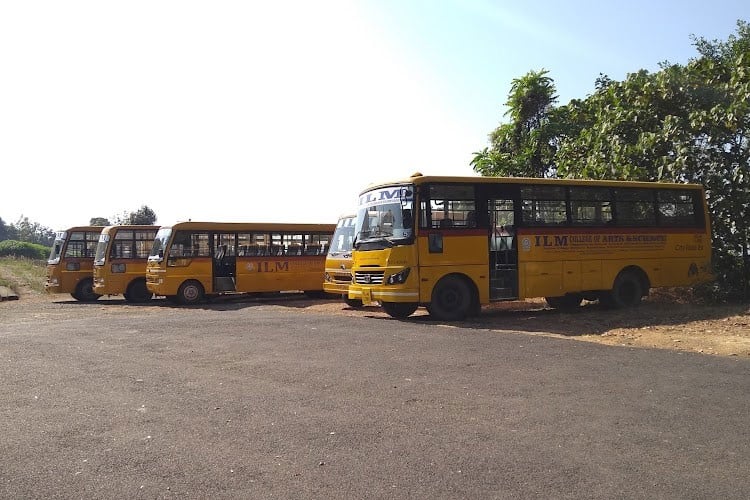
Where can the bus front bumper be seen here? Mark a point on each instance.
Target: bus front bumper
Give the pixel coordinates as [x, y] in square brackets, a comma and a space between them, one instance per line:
[382, 293]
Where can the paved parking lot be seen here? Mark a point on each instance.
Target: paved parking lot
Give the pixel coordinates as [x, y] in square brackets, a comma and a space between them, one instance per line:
[261, 399]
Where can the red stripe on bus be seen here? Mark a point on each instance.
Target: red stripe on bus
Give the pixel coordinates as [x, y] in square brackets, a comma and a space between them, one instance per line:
[610, 230]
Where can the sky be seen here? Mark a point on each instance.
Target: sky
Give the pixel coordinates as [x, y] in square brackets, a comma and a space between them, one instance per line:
[266, 111]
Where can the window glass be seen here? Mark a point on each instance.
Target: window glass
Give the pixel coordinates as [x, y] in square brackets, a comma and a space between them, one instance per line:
[343, 237]
[449, 206]
[676, 208]
[190, 244]
[590, 206]
[635, 207]
[82, 244]
[253, 244]
[293, 243]
[317, 244]
[277, 244]
[543, 205]
[144, 241]
[224, 245]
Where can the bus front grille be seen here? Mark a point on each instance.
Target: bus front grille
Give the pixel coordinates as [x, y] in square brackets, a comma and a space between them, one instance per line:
[368, 277]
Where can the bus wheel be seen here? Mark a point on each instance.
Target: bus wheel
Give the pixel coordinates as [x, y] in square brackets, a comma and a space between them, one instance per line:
[85, 291]
[354, 303]
[451, 299]
[400, 310]
[137, 291]
[566, 302]
[626, 291]
[190, 292]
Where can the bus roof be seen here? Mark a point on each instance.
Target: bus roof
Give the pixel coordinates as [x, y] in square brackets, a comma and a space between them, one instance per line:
[418, 178]
[137, 227]
[252, 226]
[82, 228]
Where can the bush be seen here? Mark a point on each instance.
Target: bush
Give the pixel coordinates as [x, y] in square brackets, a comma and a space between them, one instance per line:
[13, 248]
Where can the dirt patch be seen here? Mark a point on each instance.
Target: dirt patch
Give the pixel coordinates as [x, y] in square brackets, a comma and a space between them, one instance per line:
[665, 320]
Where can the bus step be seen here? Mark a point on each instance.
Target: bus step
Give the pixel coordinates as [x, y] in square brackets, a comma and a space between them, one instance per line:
[502, 293]
[224, 284]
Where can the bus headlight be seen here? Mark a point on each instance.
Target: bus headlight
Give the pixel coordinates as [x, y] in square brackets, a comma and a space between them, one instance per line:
[399, 277]
[327, 277]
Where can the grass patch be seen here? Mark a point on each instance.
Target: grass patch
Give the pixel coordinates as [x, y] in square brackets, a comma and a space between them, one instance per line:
[18, 272]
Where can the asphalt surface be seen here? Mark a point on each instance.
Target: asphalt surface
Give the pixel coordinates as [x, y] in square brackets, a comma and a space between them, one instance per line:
[256, 400]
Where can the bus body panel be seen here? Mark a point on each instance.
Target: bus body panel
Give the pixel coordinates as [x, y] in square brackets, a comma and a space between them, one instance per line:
[300, 269]
[272, 274]
[339, 273]
[338, 262]
[167, 279]
[70, 265]
[113, 274]
[576, 242]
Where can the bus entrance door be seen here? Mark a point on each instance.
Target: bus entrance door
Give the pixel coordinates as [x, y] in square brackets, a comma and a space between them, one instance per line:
[224, 263]
[503, 251]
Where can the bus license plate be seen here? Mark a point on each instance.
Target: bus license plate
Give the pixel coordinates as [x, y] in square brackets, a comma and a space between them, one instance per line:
[366, 296]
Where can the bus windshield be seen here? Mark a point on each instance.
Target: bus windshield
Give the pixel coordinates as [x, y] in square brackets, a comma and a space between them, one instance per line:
[160, 243]
[385, 214]
[101, 249]
[57, 246]
[343, 237]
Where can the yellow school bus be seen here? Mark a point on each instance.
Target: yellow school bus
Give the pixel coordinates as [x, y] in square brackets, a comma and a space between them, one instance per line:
[70, 263]
[454, 244]
[192, 260]
[120, 261]
[338, 274]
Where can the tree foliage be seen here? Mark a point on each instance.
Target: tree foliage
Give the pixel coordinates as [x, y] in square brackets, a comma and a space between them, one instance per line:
[525, 146]
[27, 231]
[99, 221]
[143, 215]
[683, 123]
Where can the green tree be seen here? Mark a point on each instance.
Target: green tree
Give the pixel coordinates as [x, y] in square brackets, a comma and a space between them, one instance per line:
[685, 124]
[526, 145]
[143, 215]
[3, 230]
[31, 232]
[99, 221]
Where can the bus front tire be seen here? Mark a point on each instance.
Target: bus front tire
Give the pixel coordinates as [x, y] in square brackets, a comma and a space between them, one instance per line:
[137, 291]
[627, 291]
[85, 291]
[566, 302]
[451, 299]
[353, 303]
[400, 310]
[190, 292]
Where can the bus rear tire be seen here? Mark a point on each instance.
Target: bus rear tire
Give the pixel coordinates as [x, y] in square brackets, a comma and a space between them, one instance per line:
[451, 299]
[190, 292]
[85, 291]
[566, 302]
[137, 291]
[400, 310]
[627, 291]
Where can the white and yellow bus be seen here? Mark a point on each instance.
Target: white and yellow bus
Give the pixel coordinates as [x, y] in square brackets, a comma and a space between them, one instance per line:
[192, 260]
[71, 261]
[120, 261]
[454, 244]
[338, 272]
